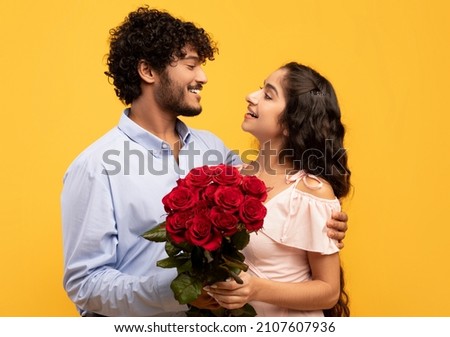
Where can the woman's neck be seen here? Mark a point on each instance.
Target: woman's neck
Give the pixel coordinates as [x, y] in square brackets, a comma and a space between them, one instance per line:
[268, 160]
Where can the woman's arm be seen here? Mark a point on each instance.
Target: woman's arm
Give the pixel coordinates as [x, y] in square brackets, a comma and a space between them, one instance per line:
[322, 292]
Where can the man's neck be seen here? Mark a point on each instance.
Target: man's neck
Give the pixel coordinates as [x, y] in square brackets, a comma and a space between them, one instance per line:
[155, 121]
[158, 123]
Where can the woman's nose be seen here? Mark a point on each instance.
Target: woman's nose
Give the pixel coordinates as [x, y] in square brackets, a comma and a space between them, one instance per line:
[253, 97]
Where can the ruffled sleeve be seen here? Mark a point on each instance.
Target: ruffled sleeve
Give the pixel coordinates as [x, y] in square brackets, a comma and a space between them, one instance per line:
[305, 225]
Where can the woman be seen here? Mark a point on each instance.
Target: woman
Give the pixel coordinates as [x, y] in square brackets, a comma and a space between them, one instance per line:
[294, 268]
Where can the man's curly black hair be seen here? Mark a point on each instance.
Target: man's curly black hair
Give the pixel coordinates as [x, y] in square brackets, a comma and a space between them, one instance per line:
[155, 37]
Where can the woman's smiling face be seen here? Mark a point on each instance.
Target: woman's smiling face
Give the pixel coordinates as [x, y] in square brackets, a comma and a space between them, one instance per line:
[265, 107]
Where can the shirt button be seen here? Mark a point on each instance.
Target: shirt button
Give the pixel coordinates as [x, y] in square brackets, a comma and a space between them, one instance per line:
[165, 146]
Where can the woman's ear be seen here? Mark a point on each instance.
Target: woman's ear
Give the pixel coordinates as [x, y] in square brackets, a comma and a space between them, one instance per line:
[146, 73]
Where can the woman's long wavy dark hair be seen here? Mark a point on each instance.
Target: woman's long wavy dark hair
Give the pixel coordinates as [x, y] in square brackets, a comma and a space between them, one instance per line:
[155, 37]
[315, 139]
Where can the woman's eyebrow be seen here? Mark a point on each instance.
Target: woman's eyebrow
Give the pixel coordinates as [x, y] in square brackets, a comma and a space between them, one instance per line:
[271, 87]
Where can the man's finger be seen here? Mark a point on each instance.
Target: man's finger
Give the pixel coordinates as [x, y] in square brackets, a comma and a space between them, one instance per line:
[337, 226]
[340, 244]
[338, 236]
[339, 216]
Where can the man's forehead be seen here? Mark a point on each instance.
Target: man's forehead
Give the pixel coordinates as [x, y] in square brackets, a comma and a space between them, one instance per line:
[190, 53]
[191, 57]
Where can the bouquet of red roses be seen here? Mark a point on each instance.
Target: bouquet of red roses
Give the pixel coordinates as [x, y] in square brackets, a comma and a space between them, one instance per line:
[210, 214]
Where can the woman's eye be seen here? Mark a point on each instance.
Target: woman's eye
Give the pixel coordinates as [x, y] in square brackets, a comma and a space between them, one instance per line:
[266, 95]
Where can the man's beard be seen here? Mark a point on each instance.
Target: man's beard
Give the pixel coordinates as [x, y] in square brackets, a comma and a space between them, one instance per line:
[172, 97]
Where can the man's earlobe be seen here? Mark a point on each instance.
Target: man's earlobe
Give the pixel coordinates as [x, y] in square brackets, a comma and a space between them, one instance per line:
[146, 72]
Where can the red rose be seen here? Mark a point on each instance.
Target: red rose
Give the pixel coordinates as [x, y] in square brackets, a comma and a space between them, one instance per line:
[176, 226]
[255, 187]
[228, 197]
[252, 213]
[225, 222]
[180, 199]
[182, 182]
[227, 175]
[201, 232]
[199, 177]
[201, 207]
[209, 191]
[166, 202]
[254, 226]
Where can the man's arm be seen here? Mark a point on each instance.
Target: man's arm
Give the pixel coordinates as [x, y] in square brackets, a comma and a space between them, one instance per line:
[337, 227]
[90, 253]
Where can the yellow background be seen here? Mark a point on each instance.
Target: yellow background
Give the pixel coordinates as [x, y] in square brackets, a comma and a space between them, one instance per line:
[388, 60]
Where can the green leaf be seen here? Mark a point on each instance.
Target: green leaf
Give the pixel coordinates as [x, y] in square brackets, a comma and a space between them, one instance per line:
[172, 250]
[233, 263]
[196, 312]
[246, 311]
[231, 273]
[186, 288]
[237, 255]
[198, 258]
[219, 274]
[183, 246]
[241, 239]
[171, 262]
[187, 266]
[157, 233]
[235, 277]
[208, 256]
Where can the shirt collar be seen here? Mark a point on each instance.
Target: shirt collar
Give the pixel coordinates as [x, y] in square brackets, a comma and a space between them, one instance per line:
[147, 139]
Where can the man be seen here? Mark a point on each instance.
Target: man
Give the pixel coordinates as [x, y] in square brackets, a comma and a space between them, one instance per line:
[113, 190]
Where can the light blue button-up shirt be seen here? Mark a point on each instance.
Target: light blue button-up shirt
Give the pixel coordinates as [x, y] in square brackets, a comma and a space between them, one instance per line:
[112, 194]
